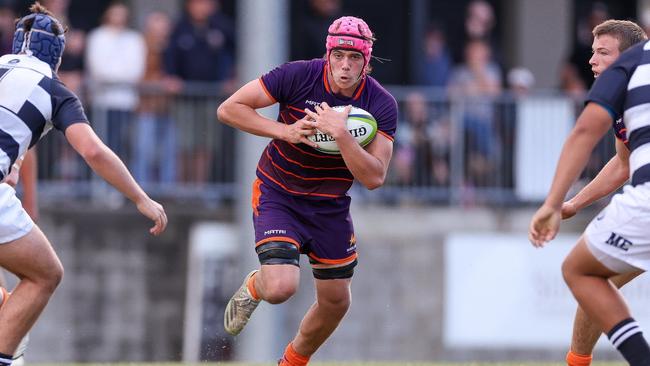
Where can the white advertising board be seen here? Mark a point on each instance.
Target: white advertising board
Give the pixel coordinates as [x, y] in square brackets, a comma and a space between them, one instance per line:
[500, 292]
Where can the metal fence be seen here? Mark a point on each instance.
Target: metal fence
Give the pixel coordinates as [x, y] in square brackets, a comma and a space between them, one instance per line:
[448, 151]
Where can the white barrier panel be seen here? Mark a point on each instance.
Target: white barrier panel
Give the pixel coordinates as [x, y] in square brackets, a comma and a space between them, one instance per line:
[500, 292]
[542, 126]
[212, 245]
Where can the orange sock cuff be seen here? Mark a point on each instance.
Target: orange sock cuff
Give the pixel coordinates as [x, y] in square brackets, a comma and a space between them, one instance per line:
[293, 358]
[576, 359]
[250, 285]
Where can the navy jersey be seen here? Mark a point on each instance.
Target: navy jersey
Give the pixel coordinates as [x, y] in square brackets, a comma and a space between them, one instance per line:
[299, 169]
[32, 101]
[624, 90]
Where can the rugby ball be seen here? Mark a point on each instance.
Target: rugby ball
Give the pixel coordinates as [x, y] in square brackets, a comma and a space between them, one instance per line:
[361, 125]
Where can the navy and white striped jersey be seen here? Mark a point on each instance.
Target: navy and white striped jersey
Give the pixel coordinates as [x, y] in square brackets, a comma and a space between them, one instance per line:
[624, 90]
[32, 101]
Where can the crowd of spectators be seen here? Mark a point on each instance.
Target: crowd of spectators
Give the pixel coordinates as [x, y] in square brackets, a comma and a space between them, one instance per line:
[146, 84]
[131, 77]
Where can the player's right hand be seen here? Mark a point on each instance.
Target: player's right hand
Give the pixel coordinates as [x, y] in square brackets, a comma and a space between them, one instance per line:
[154, 211]
[544, 225]
[569, 210]
[12, 178]
[297, 132]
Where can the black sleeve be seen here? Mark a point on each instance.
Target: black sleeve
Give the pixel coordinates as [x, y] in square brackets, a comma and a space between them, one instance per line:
[66, 107]
[610, 88]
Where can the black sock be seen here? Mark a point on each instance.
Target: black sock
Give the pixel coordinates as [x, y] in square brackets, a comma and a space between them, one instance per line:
[5, 360]
[627, 337]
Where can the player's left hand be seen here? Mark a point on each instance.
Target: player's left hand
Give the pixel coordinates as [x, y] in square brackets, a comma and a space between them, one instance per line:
[154, 211]
[12, 178]
[330, 121]
[544, 225]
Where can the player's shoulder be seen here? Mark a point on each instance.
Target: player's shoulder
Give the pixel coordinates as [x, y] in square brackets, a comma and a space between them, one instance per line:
[375, 86]
[26, 62]
[377, 92]
[314, 66]
[634, 56]
[302, 71]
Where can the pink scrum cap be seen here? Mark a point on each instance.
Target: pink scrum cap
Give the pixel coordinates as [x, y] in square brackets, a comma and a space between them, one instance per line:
[350, 33]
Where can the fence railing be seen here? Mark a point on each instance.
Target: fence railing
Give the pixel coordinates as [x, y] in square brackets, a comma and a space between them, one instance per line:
[452, 151]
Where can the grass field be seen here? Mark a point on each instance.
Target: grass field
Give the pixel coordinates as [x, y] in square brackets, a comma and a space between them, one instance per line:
[333, 364]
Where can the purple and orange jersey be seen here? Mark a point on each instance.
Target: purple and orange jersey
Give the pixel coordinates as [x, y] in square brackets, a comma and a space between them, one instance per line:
[298, 169]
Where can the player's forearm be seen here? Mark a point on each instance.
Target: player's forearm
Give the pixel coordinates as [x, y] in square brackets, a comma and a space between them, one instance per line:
[245, 118]
[613, 175]
[108, 166]
[365, 167]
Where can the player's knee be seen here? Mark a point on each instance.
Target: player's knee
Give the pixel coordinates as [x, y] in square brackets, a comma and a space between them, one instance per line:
[53, 277]
[46, 277]
[337, 302]
[279, 290]
[278, 252]
[568, 272]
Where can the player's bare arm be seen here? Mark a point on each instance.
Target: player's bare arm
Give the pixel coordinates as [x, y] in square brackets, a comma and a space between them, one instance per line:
[238, 111]
[14, 176]
[370, 165]
[591, 126]
[28, 176]
[105, 163]
[610, 178]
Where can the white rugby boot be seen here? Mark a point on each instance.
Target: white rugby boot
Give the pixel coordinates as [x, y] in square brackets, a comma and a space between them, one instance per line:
[239, 308]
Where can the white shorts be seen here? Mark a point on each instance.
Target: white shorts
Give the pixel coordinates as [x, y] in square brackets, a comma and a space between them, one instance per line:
[14, 220]
[619, 237]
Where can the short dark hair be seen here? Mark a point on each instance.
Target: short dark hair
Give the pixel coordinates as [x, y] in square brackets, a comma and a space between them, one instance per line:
[628, 33]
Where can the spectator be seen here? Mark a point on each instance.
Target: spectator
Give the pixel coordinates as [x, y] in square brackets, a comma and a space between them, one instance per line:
[575, 78]
[155, 144]
[422, 146]
[479, 25]
[307, 40]
[60, 9]
[479, 20]
[202, 46]
[7, 17]
[71, 72]
[475, 84]
[436, 63]
[115, 58]
[201, 50]
[520, 81]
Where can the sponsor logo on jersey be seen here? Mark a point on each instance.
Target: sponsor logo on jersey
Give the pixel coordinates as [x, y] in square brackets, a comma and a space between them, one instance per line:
[311, 102]
[275, 232]
[618, 241]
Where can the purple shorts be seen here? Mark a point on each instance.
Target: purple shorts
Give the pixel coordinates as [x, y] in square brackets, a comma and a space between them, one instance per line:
[322, 229]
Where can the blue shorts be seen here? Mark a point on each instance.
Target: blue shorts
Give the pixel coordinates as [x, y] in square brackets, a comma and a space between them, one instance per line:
[321, 228]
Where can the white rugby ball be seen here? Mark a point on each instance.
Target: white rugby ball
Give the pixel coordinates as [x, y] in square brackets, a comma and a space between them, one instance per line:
[361, 125]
